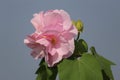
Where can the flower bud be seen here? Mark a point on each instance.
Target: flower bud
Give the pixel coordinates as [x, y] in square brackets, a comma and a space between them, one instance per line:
[79, 25]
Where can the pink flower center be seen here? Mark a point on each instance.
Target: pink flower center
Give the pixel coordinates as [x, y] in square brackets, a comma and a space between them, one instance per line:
[53, 40]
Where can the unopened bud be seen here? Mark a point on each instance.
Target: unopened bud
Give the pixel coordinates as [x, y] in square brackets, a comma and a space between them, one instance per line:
[79, 25]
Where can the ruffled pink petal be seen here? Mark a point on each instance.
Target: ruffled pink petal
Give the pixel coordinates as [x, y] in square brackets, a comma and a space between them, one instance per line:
[52, 19]
[63, 49]
[65, 17]
[30, 40]
[43, 41]
[37, 21]
[71, 45]
[71, 48]
[57, 28]
[37, 55]
[37, 49]
[67, 21]
[52, 59]
[74, 31]
[52, 51]
[69, 34]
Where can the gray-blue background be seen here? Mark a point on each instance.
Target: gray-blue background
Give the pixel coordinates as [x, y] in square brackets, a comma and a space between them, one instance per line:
[102, 29]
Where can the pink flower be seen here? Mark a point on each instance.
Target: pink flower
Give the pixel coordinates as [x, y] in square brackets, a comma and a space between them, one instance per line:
[53, 37]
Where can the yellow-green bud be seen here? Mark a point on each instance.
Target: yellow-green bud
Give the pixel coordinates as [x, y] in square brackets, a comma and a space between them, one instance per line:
[79, 25]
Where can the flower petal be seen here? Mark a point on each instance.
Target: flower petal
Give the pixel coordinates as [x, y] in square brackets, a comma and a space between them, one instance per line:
[37, 55]
[63, 49]
[52, 19]
[37, 21]
[53, 59]
[67, 21]
[43, 41]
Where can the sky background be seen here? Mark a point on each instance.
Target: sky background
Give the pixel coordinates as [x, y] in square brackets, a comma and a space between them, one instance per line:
[101, 29]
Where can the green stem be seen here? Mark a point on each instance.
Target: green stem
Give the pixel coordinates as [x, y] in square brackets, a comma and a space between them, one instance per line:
[78, 36]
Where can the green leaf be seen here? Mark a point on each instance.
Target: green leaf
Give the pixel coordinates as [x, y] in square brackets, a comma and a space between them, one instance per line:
[104, 63]
[46, 73]
[105, 77]
[76, 51]
[80, 47]
[83, 46]
[84, 68]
